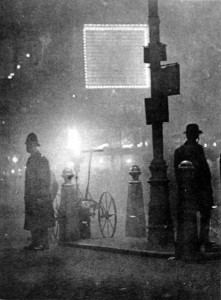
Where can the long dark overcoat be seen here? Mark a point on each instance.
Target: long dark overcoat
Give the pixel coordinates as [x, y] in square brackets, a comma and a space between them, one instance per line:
[194, 152]
[39, 212]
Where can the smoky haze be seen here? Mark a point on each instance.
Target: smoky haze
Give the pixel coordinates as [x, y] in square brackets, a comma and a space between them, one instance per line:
[47, 94]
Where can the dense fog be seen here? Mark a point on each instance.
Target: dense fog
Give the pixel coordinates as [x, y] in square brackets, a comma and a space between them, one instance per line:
[47, 93]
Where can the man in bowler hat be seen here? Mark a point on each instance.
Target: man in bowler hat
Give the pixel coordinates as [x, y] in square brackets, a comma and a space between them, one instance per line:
[39, 213]
[194, 153]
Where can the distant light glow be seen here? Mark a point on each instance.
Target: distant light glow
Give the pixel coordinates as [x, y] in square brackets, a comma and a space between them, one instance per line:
[101, 160]
[205, 145]
[106, 145]
[28, 55]
[113, 56]
[146, 144]
[129, 146]
[115, 86]
[3, 122]
[128, 161]
[18, 67]
[140, 145]
[13, 171]
[15, 159]
[214, 144]
[69, 164]
[74, 141]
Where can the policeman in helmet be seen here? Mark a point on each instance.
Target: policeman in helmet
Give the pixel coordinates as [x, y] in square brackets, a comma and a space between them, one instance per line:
[39, 213]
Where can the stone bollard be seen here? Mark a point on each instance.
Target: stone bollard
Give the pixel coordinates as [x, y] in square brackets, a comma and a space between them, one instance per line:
[135, 217]
[187, 237]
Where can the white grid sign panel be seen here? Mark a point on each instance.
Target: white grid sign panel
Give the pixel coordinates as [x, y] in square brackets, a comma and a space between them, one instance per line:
[113, 56]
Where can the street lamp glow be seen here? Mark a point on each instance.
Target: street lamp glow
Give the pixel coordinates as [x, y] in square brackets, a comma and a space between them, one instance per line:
[129, 146]
[128, 161]
[15, 159]
[74, 141]
[101, 160]
[140, 145]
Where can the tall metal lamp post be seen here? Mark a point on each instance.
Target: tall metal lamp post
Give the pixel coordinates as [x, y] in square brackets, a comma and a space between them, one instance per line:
[164, 82]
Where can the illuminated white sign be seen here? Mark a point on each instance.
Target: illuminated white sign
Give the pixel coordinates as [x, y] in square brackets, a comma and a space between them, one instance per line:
[113, 56]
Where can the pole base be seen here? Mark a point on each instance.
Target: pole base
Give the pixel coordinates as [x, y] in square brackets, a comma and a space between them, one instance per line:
[160, 229]
[160, 237]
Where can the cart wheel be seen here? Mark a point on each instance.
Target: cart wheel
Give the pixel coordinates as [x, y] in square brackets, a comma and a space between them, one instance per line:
[107, 215]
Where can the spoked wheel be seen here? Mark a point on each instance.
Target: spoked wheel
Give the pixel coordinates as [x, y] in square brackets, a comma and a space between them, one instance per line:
[107, 215]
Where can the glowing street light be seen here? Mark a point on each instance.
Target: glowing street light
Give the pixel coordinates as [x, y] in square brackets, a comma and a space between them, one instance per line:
[14, 159]
[74, 141]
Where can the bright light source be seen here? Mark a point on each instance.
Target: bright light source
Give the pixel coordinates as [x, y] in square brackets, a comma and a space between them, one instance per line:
[214, 144]
[13, 171]
[113, 56]
[129, 161]
[15, 159]
[106, 145]
[9, 77]
[18, 67]
[146, 143]
[69, 164]
[129, 146]
[74, 141]
[28, 55]
[205, 145]
[140, 145]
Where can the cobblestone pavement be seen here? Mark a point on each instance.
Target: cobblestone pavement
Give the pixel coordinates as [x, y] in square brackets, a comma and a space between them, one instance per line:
[74, 273]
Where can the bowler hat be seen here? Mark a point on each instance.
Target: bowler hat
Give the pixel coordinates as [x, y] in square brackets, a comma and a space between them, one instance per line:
[32, 138]
[192, 129]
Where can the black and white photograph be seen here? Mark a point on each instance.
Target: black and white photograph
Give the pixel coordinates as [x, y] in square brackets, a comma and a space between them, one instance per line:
[110, 149]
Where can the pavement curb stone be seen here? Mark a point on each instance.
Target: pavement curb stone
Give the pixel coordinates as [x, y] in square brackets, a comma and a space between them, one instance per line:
[131, 246]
